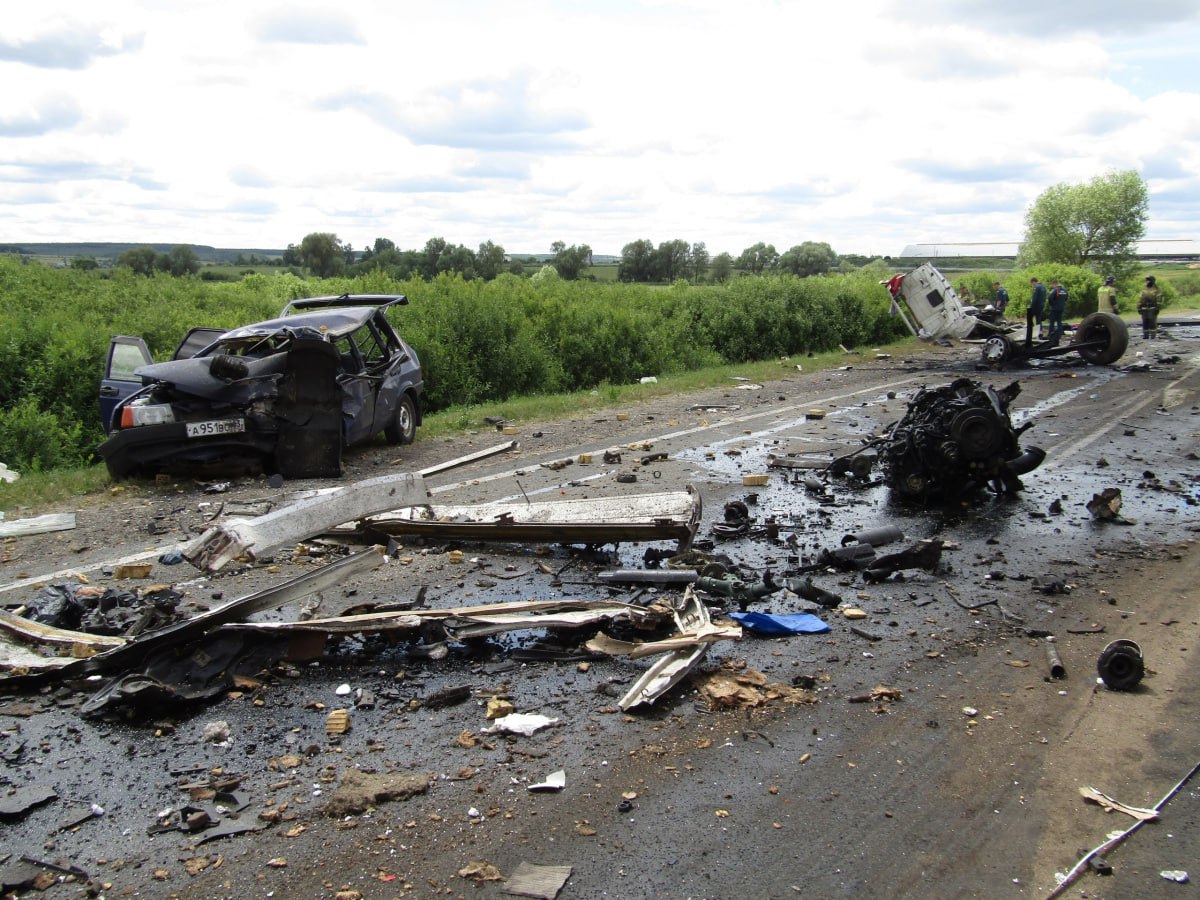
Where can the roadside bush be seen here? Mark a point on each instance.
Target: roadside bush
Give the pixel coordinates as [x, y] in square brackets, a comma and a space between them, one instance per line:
[34, 440]
[1186, 284]
[479, 341]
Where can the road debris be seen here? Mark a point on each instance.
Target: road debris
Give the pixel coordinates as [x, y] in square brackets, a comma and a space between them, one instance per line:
[1106, 506]
[160, 648]
[1057, 669]
[953, 442]
[542, 882]
[555, 781]
[1100, 798]
[36, 525]
[358, 791]
[780, 623]
[480, 871]
[21, 800]
[255, 538]
[669, 515]
[746, 688]
[1121, 666]
[524, 724]
[1065, 880]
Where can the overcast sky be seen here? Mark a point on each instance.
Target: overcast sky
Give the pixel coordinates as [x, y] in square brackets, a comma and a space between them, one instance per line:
[868, 124]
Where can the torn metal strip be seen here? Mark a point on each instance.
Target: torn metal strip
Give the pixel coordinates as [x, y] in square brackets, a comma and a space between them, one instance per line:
[691, 618]
[470, 621]
[470, 458]
[709, 634]
[135, 651]
[1110, 805]
[225, 542]
[18, 657]
[667, 515]
[37, 525]
[40, 633]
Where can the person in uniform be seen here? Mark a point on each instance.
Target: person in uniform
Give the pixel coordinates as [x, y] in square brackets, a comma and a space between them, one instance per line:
[1000, 301]
[1148, 307]
[1057, 309]
[1106, 296]
[1037, 307]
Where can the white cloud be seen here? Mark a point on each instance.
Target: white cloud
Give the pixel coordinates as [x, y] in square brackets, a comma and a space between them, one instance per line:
[868, 125]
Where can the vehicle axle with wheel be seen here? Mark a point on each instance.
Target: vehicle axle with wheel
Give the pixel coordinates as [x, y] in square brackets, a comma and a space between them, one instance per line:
[932, 311]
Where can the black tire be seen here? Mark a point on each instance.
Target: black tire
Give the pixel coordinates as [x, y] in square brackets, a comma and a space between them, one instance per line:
[1102, 326]
[1120, 666]
[403, 427]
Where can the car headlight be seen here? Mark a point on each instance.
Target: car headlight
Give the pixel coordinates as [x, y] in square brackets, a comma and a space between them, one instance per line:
[139, 413]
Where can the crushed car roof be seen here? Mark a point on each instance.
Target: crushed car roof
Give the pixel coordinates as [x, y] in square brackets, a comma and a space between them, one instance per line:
[337, 322]
[381, 301]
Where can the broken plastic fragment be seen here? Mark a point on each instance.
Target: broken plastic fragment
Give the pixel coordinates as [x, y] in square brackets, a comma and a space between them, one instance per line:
[780, 623]
[526, 724]
[555, 781]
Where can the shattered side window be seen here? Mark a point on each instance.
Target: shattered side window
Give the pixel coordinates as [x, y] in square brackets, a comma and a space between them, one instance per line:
[125, 358]
[349, 357]
[371, 347]
[934, 298]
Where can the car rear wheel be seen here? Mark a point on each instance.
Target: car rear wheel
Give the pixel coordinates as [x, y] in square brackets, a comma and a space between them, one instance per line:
[1102, 326]
[403, 427]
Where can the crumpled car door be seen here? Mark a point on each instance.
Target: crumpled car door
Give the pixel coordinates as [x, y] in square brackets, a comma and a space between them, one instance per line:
[309, 409]
[125, 355]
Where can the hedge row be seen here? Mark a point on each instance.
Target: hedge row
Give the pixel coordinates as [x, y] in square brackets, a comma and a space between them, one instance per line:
[479, 341]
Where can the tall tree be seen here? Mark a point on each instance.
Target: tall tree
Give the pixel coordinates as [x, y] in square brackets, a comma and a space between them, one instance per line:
[809, 258]
[698, 262]
[570, 262]
[672, 260]
[141, 259]
[637, 262]
[321, 252]
[1097, 224]
[722, 267]
[490, 260]
[758, 258]
[182, 260]
[430, 257]
[460, 259]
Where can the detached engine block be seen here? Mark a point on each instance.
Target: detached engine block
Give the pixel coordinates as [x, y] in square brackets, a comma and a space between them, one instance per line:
[954, 441]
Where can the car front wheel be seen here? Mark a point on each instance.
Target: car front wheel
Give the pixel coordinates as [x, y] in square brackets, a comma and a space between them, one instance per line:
[403, 427]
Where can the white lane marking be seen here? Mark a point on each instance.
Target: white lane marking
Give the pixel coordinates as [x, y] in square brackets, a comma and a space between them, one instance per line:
[1134, 404]
[698, 429]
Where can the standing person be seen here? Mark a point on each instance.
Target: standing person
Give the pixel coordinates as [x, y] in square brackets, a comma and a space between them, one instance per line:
[1148, 307]
[1000, 300]
[1057, 309]
[1037, 308]
[1106, 296]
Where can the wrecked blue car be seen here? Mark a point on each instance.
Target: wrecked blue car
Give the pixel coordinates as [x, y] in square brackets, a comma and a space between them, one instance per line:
[287, 395]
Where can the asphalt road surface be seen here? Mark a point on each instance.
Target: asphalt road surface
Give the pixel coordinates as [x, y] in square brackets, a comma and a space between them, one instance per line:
[960, 779]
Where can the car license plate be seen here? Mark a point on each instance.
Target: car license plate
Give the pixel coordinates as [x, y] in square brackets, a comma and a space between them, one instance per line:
[214, 427]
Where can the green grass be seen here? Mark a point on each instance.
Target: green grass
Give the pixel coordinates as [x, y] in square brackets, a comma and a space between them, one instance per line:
[38, 489]
[34, 490]
[558, 407]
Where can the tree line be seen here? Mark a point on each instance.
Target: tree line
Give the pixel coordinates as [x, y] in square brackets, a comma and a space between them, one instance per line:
[1096, 225]
[325, 256]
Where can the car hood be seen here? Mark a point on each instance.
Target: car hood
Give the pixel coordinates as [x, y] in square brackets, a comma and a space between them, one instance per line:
[192, 376]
